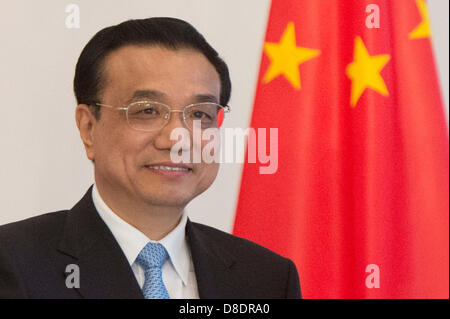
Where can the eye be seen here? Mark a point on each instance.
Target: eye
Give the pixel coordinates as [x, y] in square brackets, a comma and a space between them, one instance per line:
[200, 115]
[145, 111]
[149, 111]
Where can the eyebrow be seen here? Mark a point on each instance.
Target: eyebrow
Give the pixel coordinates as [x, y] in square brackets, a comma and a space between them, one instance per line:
[148, 94]
[205, 98]
[155, 94]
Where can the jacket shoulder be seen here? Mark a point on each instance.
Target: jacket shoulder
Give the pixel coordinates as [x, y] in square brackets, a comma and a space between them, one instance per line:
[34, 229]
[245, 249]
[269, 274]
[25, 247]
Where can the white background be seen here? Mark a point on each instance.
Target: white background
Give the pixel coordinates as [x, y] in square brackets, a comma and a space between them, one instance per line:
[43, 164]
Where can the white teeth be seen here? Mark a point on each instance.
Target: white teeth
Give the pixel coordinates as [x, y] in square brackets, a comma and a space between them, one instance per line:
[168, 168]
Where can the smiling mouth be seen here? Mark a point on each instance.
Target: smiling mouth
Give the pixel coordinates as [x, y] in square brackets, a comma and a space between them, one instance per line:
[170, 171]
[169, 168]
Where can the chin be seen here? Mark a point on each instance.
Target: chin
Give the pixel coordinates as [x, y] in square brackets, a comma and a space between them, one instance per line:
[172, 198]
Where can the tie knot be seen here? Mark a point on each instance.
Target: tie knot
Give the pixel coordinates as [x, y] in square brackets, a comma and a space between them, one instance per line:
[152, 255]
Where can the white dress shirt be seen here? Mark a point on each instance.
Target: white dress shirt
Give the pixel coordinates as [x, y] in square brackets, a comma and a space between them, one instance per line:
[177, 271]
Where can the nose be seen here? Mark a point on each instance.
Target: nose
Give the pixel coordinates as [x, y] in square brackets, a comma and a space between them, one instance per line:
[176, 121]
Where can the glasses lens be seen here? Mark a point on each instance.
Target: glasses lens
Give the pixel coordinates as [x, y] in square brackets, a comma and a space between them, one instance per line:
[147, 116]
[204, 113]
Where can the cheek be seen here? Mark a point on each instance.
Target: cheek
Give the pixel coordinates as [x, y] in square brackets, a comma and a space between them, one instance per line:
[119, 149]
[208, 175]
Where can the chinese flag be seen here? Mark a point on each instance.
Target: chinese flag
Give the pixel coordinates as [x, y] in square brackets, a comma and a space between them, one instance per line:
[360, 200]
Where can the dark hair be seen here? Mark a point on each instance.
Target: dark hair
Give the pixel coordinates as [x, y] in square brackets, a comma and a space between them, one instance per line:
[167, 32]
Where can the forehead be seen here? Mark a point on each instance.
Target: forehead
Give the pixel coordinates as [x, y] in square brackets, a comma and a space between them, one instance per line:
[179, 74]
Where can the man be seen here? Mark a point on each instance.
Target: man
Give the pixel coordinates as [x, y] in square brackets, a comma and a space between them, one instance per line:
[128, 237]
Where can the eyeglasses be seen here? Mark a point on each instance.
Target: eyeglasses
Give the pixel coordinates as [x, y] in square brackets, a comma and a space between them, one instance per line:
[152, 116]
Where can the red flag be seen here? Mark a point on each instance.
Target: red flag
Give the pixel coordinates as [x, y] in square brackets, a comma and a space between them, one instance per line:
[360, 200]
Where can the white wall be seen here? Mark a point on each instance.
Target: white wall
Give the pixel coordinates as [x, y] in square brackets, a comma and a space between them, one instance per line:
[43, 165]
[439, 16]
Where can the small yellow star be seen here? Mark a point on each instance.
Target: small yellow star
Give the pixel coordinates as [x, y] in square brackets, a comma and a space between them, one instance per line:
[285, 57]
[423, 30]
[364, 72]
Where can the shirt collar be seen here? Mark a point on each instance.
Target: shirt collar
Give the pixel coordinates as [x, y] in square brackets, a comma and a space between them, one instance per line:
[132, 241]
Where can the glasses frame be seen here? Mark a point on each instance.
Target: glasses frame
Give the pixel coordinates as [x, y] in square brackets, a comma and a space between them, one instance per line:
[226, 109]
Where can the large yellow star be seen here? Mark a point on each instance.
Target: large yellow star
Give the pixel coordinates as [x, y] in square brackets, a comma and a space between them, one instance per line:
[285, 57]
[423, 30]
[365, 70]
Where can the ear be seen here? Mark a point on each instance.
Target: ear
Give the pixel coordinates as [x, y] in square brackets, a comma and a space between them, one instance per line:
[86, 122]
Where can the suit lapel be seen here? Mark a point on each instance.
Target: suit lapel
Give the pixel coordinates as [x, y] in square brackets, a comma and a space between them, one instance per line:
[104, 269]
[213, 266]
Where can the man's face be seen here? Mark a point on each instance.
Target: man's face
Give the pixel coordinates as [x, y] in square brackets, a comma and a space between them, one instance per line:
[124, 157]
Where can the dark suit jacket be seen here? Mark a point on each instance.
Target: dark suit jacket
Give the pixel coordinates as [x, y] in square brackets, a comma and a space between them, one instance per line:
[34, 254]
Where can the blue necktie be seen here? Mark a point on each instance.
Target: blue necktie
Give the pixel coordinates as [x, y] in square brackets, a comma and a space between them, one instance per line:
[151, 258]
